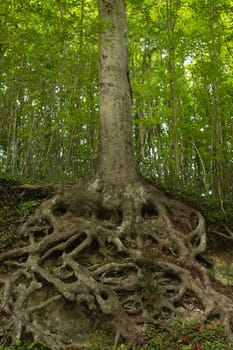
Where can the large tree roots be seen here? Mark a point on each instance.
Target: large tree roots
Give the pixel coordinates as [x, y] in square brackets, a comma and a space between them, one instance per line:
[131, 255]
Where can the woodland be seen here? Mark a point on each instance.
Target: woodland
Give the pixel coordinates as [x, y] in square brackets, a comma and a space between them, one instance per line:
[116, 167]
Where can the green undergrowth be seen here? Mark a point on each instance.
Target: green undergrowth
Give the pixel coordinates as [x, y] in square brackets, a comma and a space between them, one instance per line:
[218, 214]
[175, 336]
[14, 209]
[25, 346]
[10, 215]
[187, 336]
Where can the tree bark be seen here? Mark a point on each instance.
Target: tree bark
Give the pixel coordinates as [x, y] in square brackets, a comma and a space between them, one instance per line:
[115, 164]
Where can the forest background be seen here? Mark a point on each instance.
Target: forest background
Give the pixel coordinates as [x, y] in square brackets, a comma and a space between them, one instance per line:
[181, 56]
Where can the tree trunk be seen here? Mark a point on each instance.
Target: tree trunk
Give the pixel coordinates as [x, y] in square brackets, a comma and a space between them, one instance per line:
[171, 13]
[115, 164]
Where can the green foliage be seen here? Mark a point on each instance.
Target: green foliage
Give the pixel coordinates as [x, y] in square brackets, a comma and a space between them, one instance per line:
[24, 346]
[28, 207]
[48, 87]
[103, 342]
[174, 336]
[187, 336]
[217, 214]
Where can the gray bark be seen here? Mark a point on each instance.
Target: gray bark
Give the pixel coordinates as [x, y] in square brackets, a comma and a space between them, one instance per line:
[116, 160]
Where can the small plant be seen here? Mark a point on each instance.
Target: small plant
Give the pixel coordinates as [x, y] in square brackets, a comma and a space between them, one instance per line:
[27, 207]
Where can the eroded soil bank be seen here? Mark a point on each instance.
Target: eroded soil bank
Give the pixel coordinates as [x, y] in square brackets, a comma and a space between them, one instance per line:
[97, 258]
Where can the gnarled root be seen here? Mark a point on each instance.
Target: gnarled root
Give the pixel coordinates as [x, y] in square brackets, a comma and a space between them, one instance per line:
[130, 255]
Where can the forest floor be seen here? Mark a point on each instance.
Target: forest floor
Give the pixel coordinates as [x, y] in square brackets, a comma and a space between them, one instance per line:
[18, 202]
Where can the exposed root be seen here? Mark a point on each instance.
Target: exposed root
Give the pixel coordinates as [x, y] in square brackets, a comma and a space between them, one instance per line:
[129, 254]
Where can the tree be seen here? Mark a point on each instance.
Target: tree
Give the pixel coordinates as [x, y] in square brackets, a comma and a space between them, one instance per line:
[112, 244]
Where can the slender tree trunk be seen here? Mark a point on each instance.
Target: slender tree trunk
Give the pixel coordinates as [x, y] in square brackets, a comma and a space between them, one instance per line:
[216, 105]
[171, 12]
[115, 163]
